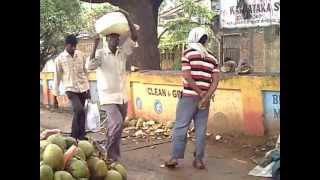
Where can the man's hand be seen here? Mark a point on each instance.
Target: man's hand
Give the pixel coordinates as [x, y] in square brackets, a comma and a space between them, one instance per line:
[204, 102]
[202, 94]
[88, 95]
[133, 27]
[124, 12]
[136, 26]
[96, 39]
[55, 102]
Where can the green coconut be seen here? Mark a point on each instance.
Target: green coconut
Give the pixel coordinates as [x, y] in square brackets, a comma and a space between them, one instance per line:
[87, 147]
[70, 141]
[120, 169]
[113, 175]
[92, 162]
[58, 140]
[53, 156]
[62, 175]
[80, 154]
[97, 167]
[78, 168]
[43, 145]
[46, 172]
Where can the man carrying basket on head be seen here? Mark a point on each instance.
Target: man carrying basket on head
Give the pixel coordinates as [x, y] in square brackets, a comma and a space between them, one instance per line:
[110, 65]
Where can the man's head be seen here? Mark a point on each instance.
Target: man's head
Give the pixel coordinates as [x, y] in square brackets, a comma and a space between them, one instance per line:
[203, 40]
[198, 35]
[71, 44]
[113, 41]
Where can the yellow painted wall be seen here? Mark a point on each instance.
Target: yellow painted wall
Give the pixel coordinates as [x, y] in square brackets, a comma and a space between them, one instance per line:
[149, 93]
[238, 105]
[227, 101]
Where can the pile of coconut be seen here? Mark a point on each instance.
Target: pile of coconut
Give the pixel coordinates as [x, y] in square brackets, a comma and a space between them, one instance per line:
[64, 158]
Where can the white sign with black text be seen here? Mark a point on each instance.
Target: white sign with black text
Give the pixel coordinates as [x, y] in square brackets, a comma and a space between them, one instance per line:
[249, 13]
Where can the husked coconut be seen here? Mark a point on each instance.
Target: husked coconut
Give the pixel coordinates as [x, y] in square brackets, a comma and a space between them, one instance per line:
[53, 156]
[113, 175]
[87, 147]
[46, 172]
[70, 141]
[97, 167]
[58, 139]
[63, 175]
[78, 168]
[121, 169]
[43, 145]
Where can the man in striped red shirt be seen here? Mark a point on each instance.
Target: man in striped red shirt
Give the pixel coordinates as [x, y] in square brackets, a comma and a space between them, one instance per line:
[200, 81]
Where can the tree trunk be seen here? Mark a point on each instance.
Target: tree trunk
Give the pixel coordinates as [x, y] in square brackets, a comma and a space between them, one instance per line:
[42, 64]
[145, 14]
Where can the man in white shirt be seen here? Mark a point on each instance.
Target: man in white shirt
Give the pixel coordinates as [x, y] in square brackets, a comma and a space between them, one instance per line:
[70, 70]
[110, 66]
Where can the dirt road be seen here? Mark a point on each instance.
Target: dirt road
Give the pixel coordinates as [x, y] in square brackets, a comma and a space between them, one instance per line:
[229, 159]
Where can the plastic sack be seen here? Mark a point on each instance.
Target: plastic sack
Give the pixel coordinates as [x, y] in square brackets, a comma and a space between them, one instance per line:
[92, 116]
[114, 22]
[262, 171]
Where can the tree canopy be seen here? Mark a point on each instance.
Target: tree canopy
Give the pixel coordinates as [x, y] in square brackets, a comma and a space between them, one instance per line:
[186, 15]
[59, 18]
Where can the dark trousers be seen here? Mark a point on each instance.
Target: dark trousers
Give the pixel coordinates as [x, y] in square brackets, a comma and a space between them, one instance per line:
[79, 116]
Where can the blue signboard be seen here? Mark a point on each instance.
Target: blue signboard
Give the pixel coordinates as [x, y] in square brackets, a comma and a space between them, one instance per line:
[50, 84]
[158, 107]
[272, 106]
[138, 103]
[61, 88]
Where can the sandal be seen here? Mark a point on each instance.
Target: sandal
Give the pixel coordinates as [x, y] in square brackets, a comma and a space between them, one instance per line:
[172, 163]
[198, 164]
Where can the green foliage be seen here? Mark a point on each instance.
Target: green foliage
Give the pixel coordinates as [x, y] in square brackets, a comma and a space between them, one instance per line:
[176, 65]
[192, 14]
[59, 18]
[188, 14]
[92, 12]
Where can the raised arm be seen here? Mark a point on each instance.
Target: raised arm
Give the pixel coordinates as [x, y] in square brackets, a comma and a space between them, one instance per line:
[133, 29]
[94, 61]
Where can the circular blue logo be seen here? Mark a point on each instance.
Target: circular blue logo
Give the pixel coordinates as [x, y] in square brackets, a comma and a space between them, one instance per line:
[138, 103]
[158, 107]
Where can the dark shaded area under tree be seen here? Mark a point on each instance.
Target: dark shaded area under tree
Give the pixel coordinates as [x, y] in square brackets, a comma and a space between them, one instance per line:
[145, 14]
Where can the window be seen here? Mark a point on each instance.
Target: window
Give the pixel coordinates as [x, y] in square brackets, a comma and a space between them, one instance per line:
[231, 47]
[215, 5]
[232, 54]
